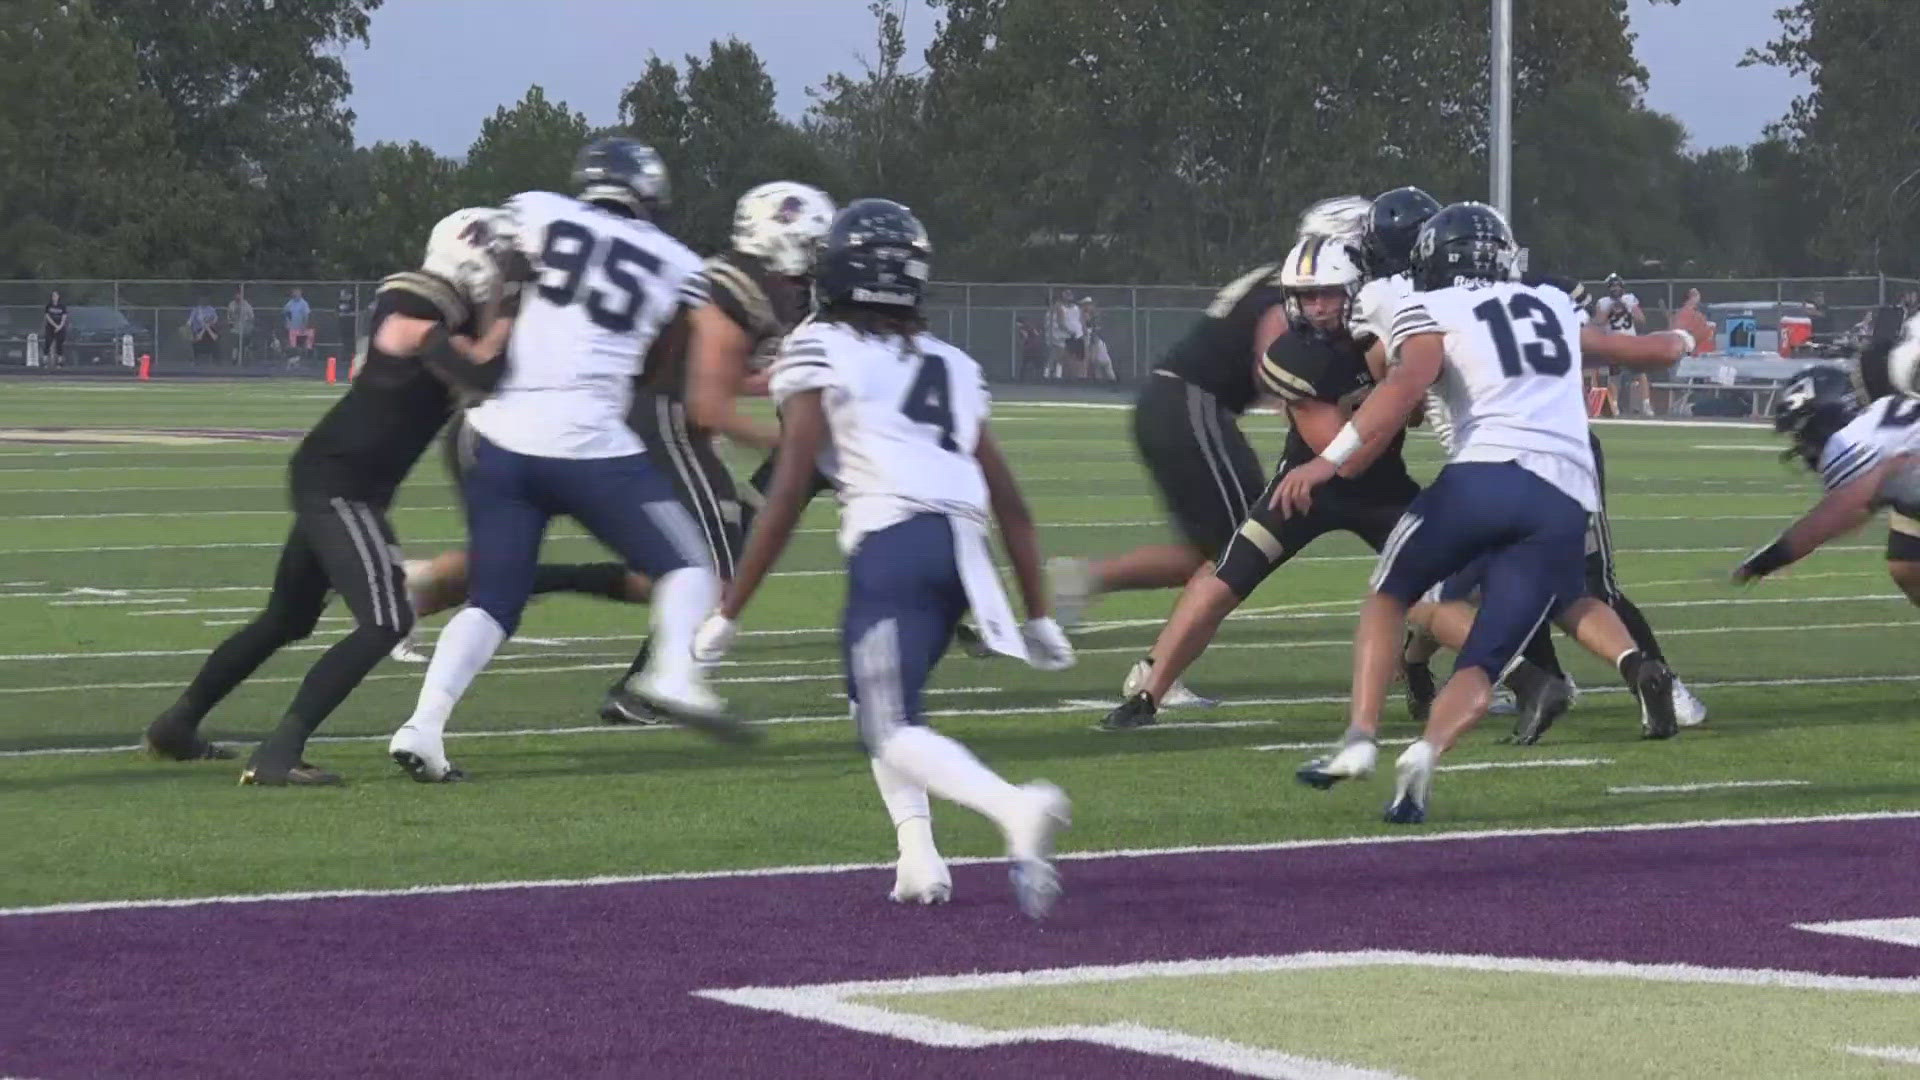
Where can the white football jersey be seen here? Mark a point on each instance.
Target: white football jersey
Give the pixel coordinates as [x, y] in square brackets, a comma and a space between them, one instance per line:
[1511, 378]
[905, 419]
[1616, 315]
[1375, 307]
[603, 287]
[1887, 428]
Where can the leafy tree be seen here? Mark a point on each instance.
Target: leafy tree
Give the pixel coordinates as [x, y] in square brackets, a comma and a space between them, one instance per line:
[400, 192]
[529, 147]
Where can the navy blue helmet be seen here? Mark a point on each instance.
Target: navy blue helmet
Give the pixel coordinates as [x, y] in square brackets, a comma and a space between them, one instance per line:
[1817, 402]
[625, 172]
[1391, 228]
[1466, 240]
[875, 253]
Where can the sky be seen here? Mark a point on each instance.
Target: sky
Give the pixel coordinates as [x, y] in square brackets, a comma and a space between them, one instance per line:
[436, 68]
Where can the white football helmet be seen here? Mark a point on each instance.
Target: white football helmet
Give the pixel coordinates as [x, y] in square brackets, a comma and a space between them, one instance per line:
[464, 249]
[1903, 363]
[780, 223]
[1319, 262]
[1343, 217]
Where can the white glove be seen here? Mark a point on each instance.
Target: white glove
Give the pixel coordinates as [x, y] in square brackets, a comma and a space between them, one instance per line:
[1047, 646]
[714, 638]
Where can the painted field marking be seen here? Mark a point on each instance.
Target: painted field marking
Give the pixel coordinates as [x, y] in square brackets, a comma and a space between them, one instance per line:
[1711, 785]
[1526, 763]
[597, 881]
[836, 1004]
[1905, 1055]
[1891, 931]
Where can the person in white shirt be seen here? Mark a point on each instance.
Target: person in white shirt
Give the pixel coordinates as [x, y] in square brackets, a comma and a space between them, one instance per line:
[600, 281]
[1066, 335]
[1516, 491]
[1618, 312]
[898, 419]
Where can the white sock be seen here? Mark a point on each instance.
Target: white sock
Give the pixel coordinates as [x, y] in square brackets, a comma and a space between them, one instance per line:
[938, 764]
[681, 601]
[905, 799]
[467, 642]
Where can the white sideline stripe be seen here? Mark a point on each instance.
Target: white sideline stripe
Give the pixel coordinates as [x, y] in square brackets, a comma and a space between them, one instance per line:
[1714, 785]
[128, 490]
[1735, 446]
[851, 1006]
[1892, 931]
[1537, 763]
[1325, 744]
[1650, 424]
[1075, 856]
[1905, 1055]
[841, 717]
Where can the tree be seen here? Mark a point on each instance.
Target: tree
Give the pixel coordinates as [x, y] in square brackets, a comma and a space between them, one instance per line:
[1859, 135]
[401, 191]
[529, 147]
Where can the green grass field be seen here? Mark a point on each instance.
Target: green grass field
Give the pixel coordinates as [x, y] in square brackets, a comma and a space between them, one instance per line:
[124, 557]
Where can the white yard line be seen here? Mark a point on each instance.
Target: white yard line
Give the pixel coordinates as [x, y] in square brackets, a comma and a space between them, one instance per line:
[1709, 785]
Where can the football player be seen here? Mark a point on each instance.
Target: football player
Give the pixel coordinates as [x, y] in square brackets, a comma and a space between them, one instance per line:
[1866, 461]
[1320, 372]
[430, 340]
[899, 417]
[1185, 427]
[1518, 486]
[553, 439]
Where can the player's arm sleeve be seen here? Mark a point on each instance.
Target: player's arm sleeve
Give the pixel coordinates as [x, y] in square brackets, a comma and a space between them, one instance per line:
[803, 366]
[1291, 370]
[735, 294]
[1410, 321]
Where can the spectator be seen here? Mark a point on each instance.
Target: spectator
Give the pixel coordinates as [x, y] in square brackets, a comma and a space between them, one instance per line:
[299, 319]
[346, 314]
[1910, 303]
[239, 324]
[54, 329]
[1618, 312]
[1817, 313]
[203, 324]
[1031, 343]
[1099, 361]
[1065, 337]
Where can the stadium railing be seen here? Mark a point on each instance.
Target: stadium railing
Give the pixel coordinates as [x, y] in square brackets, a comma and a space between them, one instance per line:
[1137, 323]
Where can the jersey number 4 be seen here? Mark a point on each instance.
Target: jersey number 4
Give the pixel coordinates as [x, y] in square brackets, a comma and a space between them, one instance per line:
[930, 399]
[1546, 354]
[571, 250]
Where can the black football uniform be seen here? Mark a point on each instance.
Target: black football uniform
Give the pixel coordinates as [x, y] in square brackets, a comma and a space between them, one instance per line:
[1302, 367]
[342, 480]
[1185, 421]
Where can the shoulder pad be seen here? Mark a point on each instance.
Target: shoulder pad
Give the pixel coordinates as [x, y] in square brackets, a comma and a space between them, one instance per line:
[441, 294]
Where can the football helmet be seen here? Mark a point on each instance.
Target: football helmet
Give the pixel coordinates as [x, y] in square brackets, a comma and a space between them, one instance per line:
[876, 253]
[1391, 227]
[1466, 240]
[1342, 217]
[1319, 262]
[781, 225]
[1903, 360]
[624, 172]
[464, 249]
[1817, 402]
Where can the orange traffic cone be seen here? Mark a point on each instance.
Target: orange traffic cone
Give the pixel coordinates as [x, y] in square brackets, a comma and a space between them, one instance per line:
[146, 367]
[333, 370]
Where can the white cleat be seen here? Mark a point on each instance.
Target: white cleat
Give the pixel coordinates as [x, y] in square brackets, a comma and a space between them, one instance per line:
[408, 651]
[686, 701]
[423, 756]
[1412, 785]
[921, 881]
[1352, 761]
[1178, 696]
[1072, 585]
[1690, 711]
[1030, 833]
[1504, 703]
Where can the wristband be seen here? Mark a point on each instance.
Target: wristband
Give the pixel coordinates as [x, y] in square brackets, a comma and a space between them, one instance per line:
[1686, 339]
[1343, 445]
[1767, 559]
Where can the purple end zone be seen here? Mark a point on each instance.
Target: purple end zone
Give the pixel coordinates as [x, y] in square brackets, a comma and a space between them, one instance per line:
[598, 981]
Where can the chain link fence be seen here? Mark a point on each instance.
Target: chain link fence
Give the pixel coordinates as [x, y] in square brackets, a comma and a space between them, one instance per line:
[1017, 330]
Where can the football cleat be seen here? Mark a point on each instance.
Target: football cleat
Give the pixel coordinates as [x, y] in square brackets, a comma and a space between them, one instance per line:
[1030, 834]
[1178, 696]
[1688, 711]
[614, 708]
[1353, 760]
[1072, 583]
[1540, 698]
[423, 756]
[689, 704]
[921, 881]
[301, 775]
[1135, 712]
[171, 737]
[407, 651]
[971, 642]
[1420, 690]
[1504, 703]
[1653, 687]
[1412, 785]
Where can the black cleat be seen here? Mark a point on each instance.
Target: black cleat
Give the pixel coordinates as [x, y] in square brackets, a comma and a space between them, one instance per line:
[618, 708]
[421, 772]
[634, 700]
[1420, 690]
[301, 775]
[1135, 712]
[1538, 707]
[1653, 687]
[971, 642]
[170, 743]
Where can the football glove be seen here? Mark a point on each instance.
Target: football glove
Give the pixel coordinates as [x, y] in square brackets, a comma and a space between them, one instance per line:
[1047, 646]
[714, 638]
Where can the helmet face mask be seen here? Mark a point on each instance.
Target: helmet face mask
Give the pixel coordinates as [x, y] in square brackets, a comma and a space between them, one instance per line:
[1817, 402]
[782, 224]
[875, 254]
[464, 250]
[1320, 279]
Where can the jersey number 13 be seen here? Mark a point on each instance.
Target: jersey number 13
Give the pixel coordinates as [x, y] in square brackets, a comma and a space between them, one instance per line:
[1546, 353]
